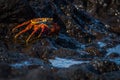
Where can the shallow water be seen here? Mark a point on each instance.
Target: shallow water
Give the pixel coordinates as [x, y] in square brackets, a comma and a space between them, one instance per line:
[116, 60]
[31, 61]
[115, 49]
[65, 63]
[101, 44]
[57, 62]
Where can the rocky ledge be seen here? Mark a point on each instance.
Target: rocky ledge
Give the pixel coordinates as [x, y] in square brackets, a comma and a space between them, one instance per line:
[87, 47]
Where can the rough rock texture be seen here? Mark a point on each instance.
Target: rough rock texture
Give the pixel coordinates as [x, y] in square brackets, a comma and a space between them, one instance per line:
[5, 70]
[104, 66]
[89, 29]
[3, 52]
[11, 13]
[13, 10]
[76, 72]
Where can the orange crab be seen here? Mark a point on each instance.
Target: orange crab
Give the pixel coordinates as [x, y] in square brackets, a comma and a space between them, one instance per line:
[46, 26]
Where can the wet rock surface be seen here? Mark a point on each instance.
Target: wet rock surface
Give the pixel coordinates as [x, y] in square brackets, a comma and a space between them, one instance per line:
[87, 47]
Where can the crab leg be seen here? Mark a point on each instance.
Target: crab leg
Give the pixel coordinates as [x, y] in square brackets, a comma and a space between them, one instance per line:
[25, 23]
[26, 29]
[35, 29]
[43, 27]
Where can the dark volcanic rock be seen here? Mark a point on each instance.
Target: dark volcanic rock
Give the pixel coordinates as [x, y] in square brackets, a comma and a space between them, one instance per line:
[104, 66]
[5, 70]
[43, 49]
[66, 43]
[78, 39]
[77, 72]
[111, 76]
[93, 51]
[3, 52]
[86, 72]
[14, 10]
[15, 57]
[107, 11]
[42, 73]
[13, 13]
[64, 52]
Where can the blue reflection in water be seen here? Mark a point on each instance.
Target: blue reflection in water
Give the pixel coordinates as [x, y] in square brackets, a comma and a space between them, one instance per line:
[31, 61]
[101, 44]
[64, 63]
[116, 60]
[114, 50]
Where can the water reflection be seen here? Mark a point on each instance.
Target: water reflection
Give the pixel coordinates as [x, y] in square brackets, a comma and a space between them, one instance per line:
[101, 44]
[64, 63]
[115, 49]
[31, 61]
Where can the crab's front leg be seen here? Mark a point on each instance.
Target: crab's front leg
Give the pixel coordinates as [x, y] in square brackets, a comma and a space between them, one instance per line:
[26, 29]
[43, 27]
[25, 23]
[35, 29]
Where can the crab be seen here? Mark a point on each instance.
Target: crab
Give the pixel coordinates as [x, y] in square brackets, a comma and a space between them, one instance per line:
[45, 25]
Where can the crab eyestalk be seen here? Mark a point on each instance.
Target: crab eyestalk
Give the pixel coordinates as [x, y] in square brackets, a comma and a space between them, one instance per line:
[41, 20]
